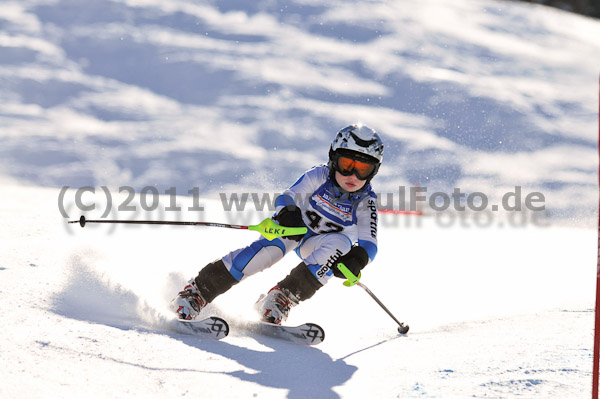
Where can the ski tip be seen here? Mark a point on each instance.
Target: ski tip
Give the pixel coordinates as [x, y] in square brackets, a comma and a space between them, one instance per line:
[315, 333]
[220, 325]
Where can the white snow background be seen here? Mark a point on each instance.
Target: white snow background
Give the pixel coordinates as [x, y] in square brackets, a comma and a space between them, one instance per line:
[230, 97]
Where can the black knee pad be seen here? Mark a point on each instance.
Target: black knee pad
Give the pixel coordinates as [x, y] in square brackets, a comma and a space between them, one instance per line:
[300, 282]
[213, 280]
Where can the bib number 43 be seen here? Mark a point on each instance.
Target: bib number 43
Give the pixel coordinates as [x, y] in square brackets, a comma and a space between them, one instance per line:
[323, 228]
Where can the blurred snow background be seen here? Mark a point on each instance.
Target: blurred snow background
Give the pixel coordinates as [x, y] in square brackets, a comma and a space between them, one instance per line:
[232, 96]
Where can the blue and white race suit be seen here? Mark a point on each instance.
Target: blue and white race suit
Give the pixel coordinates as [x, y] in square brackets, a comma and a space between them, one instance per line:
[336, 220]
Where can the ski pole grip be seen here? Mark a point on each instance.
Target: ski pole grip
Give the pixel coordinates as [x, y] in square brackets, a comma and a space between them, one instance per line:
[352, 279]
[271, 230]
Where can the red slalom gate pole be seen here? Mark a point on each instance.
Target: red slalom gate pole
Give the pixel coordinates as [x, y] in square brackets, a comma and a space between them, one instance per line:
[597, 312]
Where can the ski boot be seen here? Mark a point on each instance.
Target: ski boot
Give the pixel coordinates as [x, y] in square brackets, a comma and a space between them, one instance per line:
[275, 306]
[189, 302]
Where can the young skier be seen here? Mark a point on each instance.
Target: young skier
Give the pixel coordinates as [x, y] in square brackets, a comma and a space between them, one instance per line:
[335, 202]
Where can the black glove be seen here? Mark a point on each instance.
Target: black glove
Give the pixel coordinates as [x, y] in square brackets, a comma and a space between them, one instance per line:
[290, 216]
[355, 261]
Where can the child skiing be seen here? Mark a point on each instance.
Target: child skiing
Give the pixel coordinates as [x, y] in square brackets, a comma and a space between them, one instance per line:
[335, 202]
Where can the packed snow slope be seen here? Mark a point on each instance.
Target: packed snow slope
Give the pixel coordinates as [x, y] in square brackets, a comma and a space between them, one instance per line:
[498, 312]
[233, 95]
[241, 97]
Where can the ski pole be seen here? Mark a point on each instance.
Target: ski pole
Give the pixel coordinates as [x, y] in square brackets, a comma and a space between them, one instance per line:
[268, 228]
[354, 280]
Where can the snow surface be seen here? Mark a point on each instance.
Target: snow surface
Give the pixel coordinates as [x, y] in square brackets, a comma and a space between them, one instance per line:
[231, 96]
[498, 312]
[471, 94]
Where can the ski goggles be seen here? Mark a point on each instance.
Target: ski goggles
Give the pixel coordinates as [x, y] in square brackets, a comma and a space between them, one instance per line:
[347, 166]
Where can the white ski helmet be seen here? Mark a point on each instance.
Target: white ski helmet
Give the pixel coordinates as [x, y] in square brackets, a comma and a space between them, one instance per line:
[357, 141]
[359, 138]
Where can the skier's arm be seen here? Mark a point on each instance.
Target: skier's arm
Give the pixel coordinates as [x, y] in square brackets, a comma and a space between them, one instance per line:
[288, 213]
[368, 219]
[364, 251]
[355, 261]
[301, 189]
[290, 216]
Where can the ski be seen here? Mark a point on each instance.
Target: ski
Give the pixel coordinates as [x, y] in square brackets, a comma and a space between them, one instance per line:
[211, 327]
[305, 334]
[217, 328]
